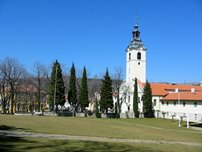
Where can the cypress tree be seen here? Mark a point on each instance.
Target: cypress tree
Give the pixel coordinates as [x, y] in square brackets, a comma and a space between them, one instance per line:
[72, 94]
[106, 100]
[147, 101]
[56, 89]
[135, 100]
[84, 91]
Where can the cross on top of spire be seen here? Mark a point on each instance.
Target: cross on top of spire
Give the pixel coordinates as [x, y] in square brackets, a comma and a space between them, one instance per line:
[136, 32]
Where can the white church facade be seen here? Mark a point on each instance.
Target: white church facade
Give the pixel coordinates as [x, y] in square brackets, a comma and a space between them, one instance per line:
[172, 101]
[135, 68]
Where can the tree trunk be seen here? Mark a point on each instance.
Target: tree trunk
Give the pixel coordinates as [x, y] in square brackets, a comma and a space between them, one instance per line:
[12, 101]
[118, 104]
[39, 94]
[4, 106]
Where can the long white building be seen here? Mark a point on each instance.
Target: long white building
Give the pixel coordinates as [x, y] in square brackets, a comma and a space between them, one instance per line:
[174, 101]
[171, 101]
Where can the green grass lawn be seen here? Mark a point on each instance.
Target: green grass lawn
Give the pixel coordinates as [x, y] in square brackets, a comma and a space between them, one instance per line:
[44, 145]
[150, 129]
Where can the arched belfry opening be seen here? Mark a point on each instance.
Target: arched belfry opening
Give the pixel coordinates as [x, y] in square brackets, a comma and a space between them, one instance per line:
[139, 56]
[129, 56]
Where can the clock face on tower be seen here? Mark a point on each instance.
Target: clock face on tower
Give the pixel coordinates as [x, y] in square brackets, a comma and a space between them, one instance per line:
[133, 45]
[136, 45]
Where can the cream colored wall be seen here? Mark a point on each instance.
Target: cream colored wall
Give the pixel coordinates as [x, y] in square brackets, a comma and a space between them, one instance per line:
[178, 110]
[136, 68]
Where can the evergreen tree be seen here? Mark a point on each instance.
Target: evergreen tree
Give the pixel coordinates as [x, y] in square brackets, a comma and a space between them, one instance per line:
[84, 91]
[106, 100]
[56, 88]
[72, 94]
[147, 101]
[135, 100]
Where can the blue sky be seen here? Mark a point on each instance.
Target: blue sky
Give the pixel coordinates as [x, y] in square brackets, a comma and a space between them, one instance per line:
[96, 33]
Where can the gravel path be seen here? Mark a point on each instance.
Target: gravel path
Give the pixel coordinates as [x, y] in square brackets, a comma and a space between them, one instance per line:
[90, 138]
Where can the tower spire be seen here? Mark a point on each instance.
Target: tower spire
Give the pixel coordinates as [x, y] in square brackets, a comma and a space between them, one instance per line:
[136, 20]
[136, 57]
[136, 32]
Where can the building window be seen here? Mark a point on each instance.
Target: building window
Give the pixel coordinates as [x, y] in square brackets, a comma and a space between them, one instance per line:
[154, 102]
[195, 116]
[162, 103]
[128, 108]
[129, 56]
[138, 63]
[139, 56]
[195, 104]
[174, 103]
[167, 113]
[167, 103]
[129, 98]
[184, 104]
[138, 99]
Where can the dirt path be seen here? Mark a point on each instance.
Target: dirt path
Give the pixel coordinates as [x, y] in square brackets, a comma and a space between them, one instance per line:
[90, 138]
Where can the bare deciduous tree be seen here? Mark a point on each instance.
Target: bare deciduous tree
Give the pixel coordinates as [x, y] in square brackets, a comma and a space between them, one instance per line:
[40, 82]
[27, 90]
[117, 79]
[94, 85]
[3, 91]
[12, 71]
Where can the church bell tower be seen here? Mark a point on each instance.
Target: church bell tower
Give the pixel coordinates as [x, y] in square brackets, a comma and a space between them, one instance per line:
[136, 58]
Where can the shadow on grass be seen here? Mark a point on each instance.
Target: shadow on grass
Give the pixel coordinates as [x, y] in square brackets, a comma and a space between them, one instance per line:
[196, 125]
[193, 124]
[4, 127]
[85, 146]
[10, 142]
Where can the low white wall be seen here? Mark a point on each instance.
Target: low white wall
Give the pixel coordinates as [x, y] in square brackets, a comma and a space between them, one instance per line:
[193, 117]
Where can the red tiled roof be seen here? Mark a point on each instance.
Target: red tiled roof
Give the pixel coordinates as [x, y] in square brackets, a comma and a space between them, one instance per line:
[140, 84]
[192, 96]
[162, 89]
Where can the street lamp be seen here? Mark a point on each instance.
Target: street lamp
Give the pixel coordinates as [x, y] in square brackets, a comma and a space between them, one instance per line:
[55, 88]
[27, 91]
